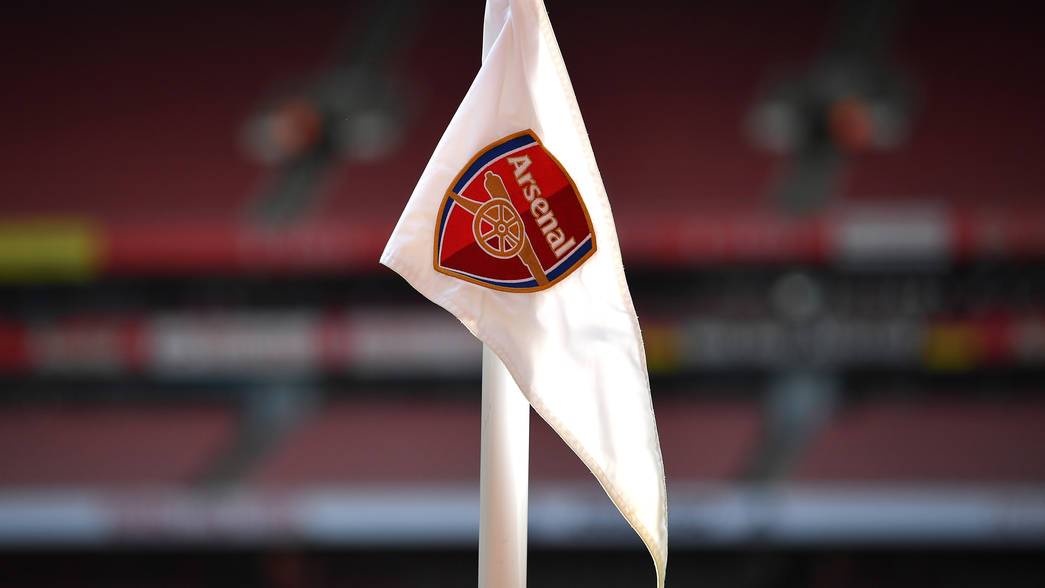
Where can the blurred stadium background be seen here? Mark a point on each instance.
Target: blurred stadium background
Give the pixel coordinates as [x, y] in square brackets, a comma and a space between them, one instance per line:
[832, 218]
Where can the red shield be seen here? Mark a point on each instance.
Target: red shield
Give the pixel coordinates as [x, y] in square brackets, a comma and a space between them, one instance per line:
[513, 220]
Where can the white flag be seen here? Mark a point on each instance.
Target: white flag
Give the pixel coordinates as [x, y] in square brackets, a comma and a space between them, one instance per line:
[510, 229]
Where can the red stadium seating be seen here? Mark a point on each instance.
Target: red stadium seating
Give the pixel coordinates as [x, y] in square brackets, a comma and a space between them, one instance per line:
[920, 441]
[977, 133]
[357, 443]
[107, 446]
[150, 137]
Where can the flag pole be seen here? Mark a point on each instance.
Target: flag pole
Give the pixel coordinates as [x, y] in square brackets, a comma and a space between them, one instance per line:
[503, 478]
[505, 447]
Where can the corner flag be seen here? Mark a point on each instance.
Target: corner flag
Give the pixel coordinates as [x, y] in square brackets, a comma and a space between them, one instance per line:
[510, 229]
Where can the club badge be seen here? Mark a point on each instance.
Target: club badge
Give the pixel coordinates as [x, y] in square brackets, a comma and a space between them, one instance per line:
[513, 219]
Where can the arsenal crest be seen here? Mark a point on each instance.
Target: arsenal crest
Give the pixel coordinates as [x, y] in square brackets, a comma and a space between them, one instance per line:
[513, 220]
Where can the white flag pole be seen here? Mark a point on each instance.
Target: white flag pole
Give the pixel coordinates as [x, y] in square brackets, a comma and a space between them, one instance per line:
[505, 446]
[503, 478]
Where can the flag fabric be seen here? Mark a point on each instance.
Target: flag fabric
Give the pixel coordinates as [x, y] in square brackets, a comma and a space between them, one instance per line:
[510, 229]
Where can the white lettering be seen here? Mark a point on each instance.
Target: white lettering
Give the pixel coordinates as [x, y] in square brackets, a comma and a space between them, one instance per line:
[521, 164]
[565, 248]
[540, 208]
[555, 239]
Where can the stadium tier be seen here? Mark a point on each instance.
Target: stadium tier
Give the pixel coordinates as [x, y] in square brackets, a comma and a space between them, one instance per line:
[833, 230]
[99, 446]
[686, 180]
[349, 444]
[706, 441]
[965, 441]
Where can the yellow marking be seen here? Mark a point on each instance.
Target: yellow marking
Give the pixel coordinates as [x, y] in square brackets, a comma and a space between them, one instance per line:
[662, 348]
[952, 348]
[48, 249]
